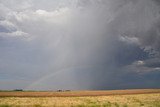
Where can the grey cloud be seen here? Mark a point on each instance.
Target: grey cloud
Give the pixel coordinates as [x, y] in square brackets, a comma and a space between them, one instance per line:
[3, 29]
[154, 62]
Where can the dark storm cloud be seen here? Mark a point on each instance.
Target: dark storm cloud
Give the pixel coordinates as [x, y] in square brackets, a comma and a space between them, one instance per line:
[80, 44]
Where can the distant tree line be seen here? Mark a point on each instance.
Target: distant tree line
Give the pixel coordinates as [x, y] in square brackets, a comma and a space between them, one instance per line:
[18, 90]
[63, 90]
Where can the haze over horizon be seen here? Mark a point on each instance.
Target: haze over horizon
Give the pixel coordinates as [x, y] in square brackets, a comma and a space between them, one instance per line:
[79, 44]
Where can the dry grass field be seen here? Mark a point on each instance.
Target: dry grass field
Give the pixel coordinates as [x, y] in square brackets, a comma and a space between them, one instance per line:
[118, 98]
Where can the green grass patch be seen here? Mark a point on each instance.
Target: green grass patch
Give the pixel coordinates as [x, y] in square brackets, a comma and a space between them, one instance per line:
[5, 105]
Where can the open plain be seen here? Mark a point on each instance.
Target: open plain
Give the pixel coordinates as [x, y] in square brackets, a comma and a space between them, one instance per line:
[110, 98]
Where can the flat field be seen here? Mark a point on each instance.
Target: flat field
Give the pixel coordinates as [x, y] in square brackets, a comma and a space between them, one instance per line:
[116, 98]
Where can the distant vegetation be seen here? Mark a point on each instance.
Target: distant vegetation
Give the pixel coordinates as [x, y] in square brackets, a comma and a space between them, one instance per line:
[63, 90]
[11, 90]
[18, 90]
[34, 90]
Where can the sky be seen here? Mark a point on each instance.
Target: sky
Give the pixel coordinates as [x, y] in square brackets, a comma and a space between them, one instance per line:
[79, 44]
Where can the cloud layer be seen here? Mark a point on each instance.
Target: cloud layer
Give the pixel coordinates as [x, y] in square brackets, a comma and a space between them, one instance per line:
[79, 44]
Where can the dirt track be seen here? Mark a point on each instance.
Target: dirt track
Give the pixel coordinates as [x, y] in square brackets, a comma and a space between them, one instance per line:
[78, 93]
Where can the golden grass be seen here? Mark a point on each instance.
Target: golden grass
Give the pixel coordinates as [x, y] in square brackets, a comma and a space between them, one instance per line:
[136, 100]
